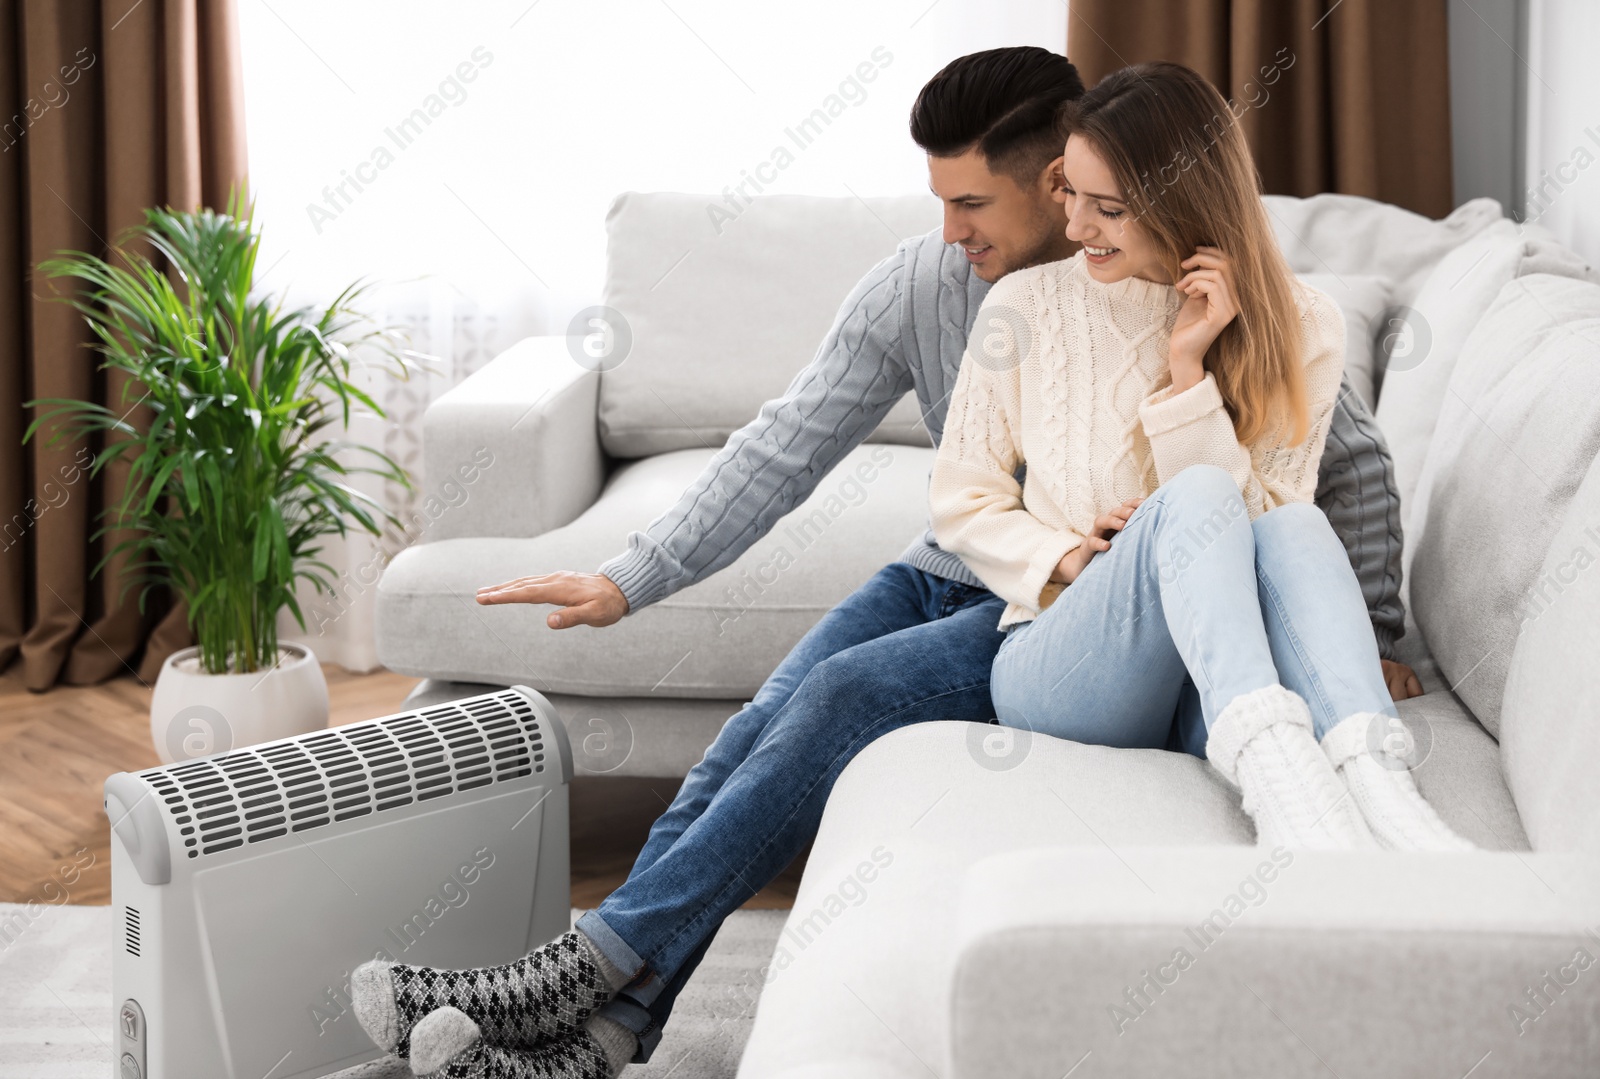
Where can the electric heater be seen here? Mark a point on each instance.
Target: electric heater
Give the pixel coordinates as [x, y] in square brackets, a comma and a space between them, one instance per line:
[247, 885]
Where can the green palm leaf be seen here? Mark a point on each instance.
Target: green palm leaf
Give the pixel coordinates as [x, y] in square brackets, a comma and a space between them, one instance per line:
[234, 480]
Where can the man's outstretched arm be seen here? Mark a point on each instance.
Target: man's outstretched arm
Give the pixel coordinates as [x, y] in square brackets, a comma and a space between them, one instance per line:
[768, 467]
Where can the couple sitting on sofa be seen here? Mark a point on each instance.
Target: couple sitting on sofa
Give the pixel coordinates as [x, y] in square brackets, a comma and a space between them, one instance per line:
[1195, 555]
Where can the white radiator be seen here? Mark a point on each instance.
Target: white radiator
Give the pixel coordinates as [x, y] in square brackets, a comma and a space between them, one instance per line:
[247, 885]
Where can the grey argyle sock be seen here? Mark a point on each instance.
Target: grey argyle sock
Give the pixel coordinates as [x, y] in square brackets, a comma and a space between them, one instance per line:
[547, 993]
[447, 1044]
[615, 1040]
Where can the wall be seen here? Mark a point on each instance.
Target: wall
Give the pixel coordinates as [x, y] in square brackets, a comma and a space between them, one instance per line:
[1486, 103]
[1562, 155]
[1525, 109]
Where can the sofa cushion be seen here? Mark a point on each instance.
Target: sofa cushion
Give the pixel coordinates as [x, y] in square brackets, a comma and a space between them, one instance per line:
[717, 639]
[1459, 771]
[723, 312]
[1518, 430]
[1550, 717]
[1426, 343]
[860, 987]
[1362, 300]
[859, 983]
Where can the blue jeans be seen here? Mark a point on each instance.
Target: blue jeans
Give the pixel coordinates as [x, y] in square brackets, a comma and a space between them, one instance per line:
[903, 648]
[1193, 605]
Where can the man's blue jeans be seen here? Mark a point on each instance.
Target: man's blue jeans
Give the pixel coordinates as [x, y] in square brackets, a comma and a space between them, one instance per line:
[1193, 605]
[903, 648]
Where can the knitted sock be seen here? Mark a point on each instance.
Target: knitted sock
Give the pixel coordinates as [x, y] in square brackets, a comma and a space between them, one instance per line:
[549, 992]
[1380, 784]
[615, 976]
[1262, 744]
[447, 1044]
[615, 1040]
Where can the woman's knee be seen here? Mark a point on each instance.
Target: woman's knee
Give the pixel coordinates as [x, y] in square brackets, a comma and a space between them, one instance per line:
[1197, 506]
[1202, 490]
[1295, 530]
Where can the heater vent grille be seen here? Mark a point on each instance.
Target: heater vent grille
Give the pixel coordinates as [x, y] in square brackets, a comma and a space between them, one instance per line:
[130, 931]
[314, 780]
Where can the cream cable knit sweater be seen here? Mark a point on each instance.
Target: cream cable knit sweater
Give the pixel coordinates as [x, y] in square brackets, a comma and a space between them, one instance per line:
[1070, 376]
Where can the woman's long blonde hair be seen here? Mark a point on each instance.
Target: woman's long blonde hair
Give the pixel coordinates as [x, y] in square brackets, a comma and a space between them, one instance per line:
[1186, 173]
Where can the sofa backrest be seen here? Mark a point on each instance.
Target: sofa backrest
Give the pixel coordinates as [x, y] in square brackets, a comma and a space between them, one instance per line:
[1518, 430]
[726, 303]
[1348, 234]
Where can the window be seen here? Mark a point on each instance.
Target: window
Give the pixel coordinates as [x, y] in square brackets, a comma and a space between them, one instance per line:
[465, 156]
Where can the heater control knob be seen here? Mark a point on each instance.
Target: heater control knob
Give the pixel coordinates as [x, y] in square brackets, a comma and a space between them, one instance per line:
[130, 1067]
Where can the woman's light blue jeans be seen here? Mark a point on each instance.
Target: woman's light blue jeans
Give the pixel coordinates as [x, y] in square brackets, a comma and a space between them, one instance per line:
[1193, 605]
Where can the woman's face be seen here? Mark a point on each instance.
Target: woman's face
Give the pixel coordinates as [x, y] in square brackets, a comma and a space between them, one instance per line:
[1099, 218]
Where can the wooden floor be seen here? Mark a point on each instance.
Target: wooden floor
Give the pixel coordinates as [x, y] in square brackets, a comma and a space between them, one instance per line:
[57, 748]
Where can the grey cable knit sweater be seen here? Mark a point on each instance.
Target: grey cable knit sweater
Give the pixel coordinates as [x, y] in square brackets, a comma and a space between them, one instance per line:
[904, 327]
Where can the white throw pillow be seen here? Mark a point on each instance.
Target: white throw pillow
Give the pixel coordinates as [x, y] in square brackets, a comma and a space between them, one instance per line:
[1362, 299]
[1519, 430]
[1425, 341]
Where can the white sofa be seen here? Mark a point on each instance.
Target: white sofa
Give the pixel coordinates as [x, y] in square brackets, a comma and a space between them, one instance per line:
[1032, 883]
[1052, 909]
[539, 462]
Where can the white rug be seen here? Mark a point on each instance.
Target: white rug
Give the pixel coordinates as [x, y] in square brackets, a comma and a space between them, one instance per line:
[56, 1021]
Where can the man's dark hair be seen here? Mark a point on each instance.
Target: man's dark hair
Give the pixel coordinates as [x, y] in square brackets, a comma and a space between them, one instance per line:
[1001, 102]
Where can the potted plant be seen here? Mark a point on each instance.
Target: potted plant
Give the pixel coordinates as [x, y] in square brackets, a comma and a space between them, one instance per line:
[236, 481]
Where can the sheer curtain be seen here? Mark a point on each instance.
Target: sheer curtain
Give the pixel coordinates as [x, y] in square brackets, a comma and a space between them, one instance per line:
[464, 158]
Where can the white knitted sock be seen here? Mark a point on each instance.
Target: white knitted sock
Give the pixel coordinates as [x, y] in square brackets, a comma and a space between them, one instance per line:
[615, 976]
[1262, 744]
[615, 1040]
[1380, 784]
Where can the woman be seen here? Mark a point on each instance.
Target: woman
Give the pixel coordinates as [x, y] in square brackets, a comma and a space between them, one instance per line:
[1170, 387]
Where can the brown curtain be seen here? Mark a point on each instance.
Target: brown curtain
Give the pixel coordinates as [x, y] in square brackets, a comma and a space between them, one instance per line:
[106, 107]
[1360, 103]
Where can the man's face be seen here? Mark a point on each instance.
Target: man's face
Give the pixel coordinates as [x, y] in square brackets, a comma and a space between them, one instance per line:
[1001, 224]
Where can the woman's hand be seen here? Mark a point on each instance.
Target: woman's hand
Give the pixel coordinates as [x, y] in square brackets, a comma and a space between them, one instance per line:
[1099, 539]
[1210, 304]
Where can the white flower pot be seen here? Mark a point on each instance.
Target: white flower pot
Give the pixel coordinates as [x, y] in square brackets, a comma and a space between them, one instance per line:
[194, 714]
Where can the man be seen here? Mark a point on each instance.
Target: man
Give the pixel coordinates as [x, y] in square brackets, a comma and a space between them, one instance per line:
[916, 642]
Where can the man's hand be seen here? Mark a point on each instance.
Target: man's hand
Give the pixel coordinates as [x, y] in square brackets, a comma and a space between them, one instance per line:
[586, 599]
[1401, 680]
[1099, 539]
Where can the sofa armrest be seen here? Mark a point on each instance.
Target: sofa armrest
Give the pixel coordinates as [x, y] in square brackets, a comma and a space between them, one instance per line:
[514, 449]
[1243, 962]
